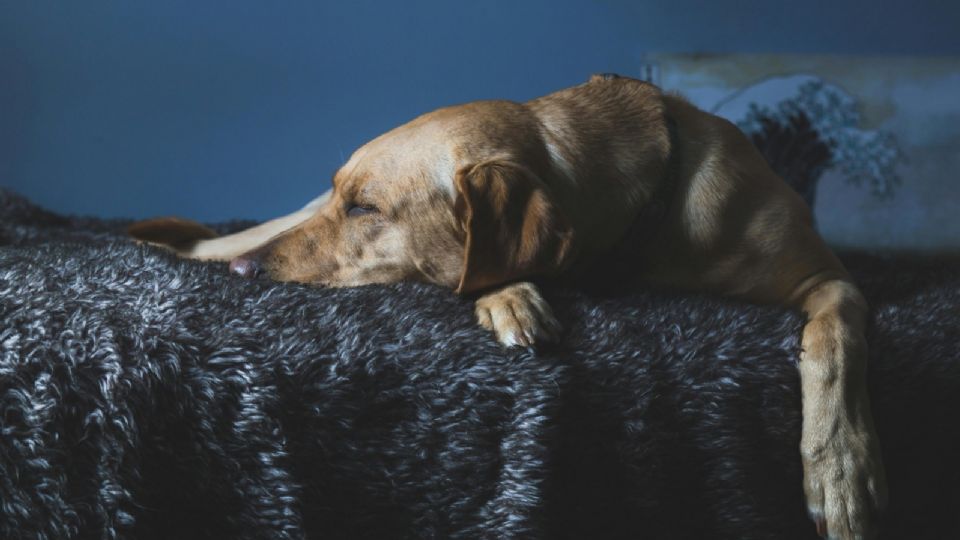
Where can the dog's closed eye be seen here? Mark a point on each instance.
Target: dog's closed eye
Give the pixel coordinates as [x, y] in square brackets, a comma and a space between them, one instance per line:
[356, 210]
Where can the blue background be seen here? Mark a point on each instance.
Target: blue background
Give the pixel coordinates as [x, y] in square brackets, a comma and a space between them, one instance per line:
[214, 110]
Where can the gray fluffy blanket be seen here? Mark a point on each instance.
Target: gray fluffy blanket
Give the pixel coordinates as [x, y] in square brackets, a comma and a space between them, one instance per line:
[149, 397]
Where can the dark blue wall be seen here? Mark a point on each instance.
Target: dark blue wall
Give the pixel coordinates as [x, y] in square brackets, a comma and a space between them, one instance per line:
[245, 108]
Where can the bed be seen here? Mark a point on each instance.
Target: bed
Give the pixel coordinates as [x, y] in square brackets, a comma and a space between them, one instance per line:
[144, 396]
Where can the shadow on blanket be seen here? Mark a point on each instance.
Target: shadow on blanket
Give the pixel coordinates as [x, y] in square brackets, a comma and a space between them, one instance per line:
[149, 397]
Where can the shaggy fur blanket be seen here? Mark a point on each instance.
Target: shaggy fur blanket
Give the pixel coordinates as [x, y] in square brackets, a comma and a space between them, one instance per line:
[145, 396]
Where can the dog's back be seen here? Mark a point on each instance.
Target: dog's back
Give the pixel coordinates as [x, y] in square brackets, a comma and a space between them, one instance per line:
[724, 222]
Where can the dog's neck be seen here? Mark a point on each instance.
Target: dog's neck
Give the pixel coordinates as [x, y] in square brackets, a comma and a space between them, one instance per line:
[614, 184]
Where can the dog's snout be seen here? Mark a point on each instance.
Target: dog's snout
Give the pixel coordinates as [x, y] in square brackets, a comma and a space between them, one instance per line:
[245, 266]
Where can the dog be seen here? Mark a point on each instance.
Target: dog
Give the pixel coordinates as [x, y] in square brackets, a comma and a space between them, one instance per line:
[484, 197]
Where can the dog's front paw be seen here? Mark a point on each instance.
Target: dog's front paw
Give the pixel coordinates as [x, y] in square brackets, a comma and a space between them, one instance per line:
[844, 482]
[518, 315]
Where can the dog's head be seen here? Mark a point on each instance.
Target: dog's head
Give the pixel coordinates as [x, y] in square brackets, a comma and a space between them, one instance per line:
[456, 197]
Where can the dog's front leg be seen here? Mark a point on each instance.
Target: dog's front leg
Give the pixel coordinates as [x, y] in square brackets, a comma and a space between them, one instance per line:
[844, 478]
[518, 315]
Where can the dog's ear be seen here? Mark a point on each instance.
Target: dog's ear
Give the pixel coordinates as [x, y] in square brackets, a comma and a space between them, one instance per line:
[511, 224]
[173, 232]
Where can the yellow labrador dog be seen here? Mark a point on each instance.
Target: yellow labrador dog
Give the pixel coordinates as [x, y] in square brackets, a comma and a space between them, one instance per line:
[482, 197]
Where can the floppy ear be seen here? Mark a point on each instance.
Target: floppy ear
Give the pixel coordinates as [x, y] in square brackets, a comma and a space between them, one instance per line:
[513, 228]
[177, 233]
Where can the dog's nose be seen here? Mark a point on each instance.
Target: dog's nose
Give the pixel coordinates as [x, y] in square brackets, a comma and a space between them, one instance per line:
[247, 267]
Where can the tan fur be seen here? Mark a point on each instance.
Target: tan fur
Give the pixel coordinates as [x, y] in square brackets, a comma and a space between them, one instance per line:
[195, 241]
[479, 196]
[172, 232]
